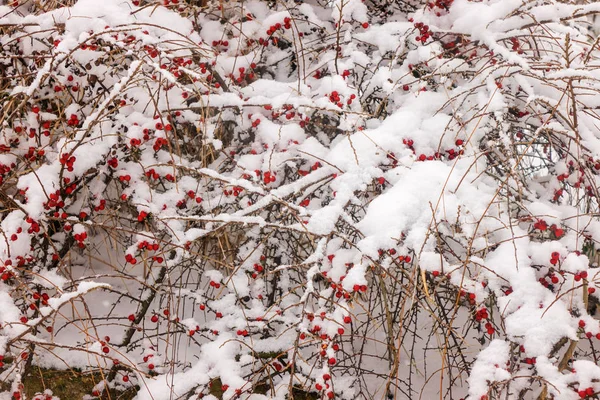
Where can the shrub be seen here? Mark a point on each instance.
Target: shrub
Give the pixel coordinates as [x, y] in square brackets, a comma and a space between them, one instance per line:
[327, 199]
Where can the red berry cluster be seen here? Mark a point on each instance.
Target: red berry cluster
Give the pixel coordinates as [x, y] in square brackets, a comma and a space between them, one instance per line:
[273, 29]
[34, 227]
[42, 297]
[334, 97]
[14, 237]
[16, 395]
[149, 356]
[130, 259]
[73, 120]
[580, 275]
[439, 6]
[113, 162]
[100, 207]
[287, 24]
[470, 297]
[142, 216]
[481, 315]
[152, 174]
[489, 328]
[191, 332]
[527, 360]
[392, 159]
[554, 279]
[258, 268]
[330, 394]
[586, 393]
[269, 177]
[145, 245]
[516, 45]
[80, 239]
[236, 191]
[452, 152]
[6, 274]
[125, 178]
[68, 160]
[4, 170]
[33, 154]
[424, 32]
[541, 225]
[244, 75]
[54, 201]
[148, 246]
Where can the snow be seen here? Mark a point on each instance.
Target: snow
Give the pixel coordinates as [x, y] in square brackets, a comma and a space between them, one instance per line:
[83, 288]
[488, 367]
[313, 207]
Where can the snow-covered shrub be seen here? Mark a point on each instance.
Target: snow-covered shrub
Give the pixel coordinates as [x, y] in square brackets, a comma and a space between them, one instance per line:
[333, 199]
